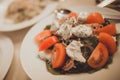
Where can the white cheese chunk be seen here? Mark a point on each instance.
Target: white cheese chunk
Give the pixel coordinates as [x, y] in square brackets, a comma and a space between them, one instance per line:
[82, 16]
[44, 56]
[65, 31]
[73, 51]
[71, 20]
[82, 31]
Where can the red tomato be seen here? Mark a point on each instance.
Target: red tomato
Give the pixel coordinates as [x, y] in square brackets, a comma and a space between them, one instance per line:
[95, 26]
[99, 56]
[42, 35]
[110, 29]
[48, 42]
[73, 14]
[59, 55]
[95, 18]
[108, 41]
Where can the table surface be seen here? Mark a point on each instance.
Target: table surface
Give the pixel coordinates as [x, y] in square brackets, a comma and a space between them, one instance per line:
[16, 71]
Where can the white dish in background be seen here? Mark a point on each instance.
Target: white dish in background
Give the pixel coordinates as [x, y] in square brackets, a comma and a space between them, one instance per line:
[36, 68]
[6, 55]
[104, 11]
[6, 25]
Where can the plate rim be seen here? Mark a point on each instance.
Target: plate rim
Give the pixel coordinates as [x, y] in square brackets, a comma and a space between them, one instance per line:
[23, 44]
[9, 57]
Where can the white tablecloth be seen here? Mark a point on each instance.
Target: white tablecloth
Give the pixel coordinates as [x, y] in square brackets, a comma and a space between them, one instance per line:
[16, 71]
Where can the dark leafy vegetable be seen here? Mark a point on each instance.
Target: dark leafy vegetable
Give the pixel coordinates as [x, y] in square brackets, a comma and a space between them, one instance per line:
[108, 62]
[117, 39]
[90, 41]
[51, 70]
[107, 21]
[47, 27]
[86, 50]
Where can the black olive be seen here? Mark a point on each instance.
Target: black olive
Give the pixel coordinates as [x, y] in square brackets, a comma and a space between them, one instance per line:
[107, 21]
[101, 26]
[94, 27]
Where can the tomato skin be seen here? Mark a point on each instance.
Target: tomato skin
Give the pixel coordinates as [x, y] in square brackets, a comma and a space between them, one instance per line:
[48, 42]
[95, 26]
[42, 35]
[108, 41]
[99, 56]
[110, 29]
[95, 18]
[59, 55]
[73, 14]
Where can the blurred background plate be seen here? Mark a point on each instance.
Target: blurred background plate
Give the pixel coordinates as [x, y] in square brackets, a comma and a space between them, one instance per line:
[7, 25]
[104, 11]
[6, 55]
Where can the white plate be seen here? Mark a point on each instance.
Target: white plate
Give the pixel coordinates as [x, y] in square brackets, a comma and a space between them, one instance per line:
[6, 55]
[36, 68]
[6, 25]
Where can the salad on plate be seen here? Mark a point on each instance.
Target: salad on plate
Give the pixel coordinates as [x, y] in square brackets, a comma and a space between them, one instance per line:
[77, 43]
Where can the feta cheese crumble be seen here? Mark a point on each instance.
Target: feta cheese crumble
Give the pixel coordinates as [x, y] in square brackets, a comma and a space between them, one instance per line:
[44, 56]
[82, 17]
[82, 31]
[71, 20]
[65, 31]
[73, 51]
